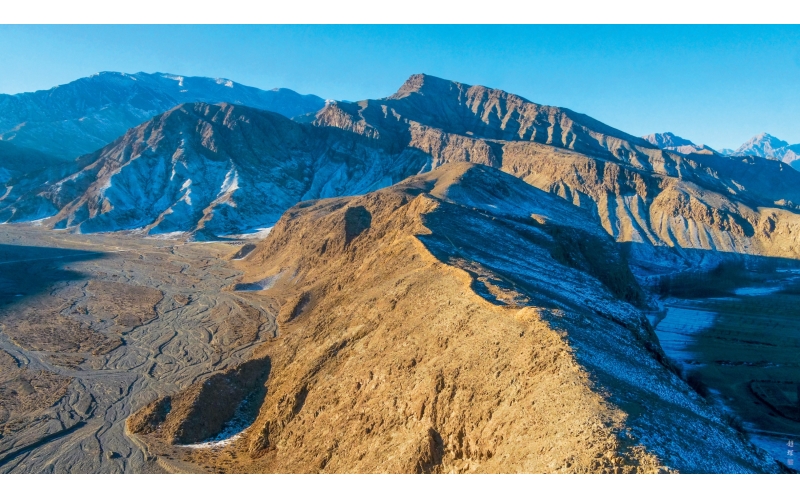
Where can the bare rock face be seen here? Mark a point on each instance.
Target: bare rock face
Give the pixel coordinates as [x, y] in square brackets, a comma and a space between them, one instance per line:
[461, 330]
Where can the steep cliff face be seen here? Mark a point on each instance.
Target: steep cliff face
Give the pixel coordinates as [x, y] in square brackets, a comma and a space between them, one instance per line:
[464, 321]
[639, 193]
[215, 169]
[83, 116]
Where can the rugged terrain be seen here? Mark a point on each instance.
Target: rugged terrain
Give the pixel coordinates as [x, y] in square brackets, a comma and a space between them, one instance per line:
[408, 344]
[453, 283]
[82, 116]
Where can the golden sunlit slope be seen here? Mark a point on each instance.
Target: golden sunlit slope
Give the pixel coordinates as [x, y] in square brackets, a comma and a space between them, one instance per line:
[464, 321]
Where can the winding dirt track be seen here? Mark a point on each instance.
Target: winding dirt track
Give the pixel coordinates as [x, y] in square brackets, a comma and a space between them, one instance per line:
[194, 330]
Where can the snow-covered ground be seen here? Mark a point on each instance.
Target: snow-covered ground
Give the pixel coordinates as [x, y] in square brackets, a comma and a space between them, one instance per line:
[233, 429]
[753, 291]
[258, 234]
[676, 331]
[264, 284]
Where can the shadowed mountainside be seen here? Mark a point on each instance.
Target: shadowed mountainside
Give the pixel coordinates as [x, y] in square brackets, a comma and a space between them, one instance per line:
[24, 170]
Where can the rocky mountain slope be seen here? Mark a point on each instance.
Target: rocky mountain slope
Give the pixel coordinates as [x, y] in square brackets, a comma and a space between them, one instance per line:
[407, 344]
[649, 197]
[214, 169]
[85, 115]
[767, 146]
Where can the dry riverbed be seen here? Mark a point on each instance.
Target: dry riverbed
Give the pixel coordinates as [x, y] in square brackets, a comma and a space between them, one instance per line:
[93, 327]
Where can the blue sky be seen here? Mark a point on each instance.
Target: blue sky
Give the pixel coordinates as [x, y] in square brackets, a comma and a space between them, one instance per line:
[717, 85]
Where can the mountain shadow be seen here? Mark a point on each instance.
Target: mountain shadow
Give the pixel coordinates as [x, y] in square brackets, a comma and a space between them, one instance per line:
[27, 271]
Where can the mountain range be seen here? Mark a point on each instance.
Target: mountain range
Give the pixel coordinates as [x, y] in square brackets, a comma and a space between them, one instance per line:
[762, 145]
[224, 169]
[650, 197]
[85, 115]
[216, 169]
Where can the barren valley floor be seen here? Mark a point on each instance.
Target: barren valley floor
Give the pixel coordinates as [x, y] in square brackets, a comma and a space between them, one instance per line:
[93, 327]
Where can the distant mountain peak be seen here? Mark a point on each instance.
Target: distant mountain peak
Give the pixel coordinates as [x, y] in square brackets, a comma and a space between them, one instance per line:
[764, 145]
[672, 142]
[667, 140]
[765, 138]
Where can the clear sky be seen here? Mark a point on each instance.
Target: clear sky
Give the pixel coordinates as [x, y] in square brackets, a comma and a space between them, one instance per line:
[717, 85]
